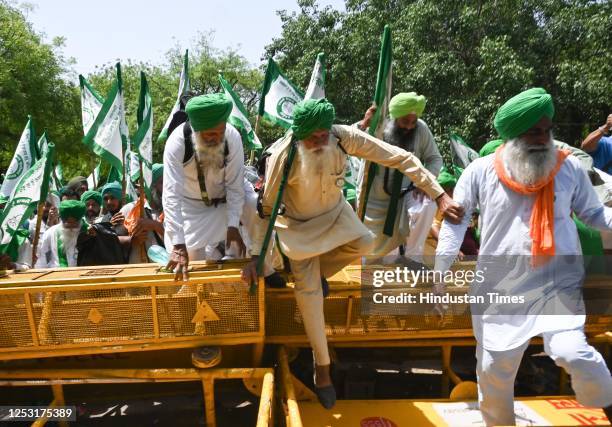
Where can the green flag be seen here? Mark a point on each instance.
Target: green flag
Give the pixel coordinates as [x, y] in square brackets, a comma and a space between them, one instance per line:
[184, 87]
[239, 118]
[278, 96]
[316, 87]
[381, 100]
[461, 153]
[91, 104]
[24, 158]
[143, 140]
[106, 134]
[31, 188]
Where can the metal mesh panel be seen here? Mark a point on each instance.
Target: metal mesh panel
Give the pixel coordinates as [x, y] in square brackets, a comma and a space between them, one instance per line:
[94, 316]
[236, 310]
[14, 325]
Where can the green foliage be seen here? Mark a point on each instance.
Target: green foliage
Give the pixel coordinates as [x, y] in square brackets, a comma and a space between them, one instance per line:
[31, 82]
[466, 57]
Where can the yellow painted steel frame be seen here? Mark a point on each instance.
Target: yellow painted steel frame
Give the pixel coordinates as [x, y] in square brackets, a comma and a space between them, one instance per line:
[55, 313]
[57, 377]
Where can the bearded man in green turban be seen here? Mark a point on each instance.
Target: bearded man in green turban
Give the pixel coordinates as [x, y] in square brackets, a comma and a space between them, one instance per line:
[526, 192]
[400, 213]
[205, 196]
[319, 231]
[58, 246]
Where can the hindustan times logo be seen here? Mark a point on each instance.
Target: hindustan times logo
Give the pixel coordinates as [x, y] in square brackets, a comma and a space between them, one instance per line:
[404, 275]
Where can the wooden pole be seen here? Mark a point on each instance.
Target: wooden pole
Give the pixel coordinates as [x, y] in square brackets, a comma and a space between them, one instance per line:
[41, 207]
[141, 214]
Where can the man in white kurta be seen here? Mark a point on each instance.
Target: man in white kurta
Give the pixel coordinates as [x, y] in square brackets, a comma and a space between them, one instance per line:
[550, 288]
[319, 231]
[414, 210]
[58, 245]
[204, 193]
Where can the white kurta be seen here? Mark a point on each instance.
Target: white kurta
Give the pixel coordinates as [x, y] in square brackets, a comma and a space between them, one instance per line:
[47, 251]
[426, 150]
[504, 219]
[187, 219]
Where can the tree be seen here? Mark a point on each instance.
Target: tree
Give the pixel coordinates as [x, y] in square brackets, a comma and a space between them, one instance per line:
[466, 57]
[32, 82]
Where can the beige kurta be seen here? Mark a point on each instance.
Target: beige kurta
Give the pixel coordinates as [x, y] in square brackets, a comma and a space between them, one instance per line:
[317, 219]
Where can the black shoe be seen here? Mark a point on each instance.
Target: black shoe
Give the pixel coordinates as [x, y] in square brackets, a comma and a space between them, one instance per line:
[324, 287]
[275, 280]
[326, 396]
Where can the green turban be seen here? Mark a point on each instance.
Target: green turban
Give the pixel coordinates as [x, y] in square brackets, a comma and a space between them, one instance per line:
[405, 103]
[92, 195]
[311, 115]
[521, 112]
[449, 176]
[207, 111]
[490, 147]
[113, 188]
[158, 172]
[72, 209]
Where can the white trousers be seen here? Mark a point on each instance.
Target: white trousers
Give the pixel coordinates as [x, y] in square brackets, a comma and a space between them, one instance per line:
[309, 295]
[496, 371]
[421, 214]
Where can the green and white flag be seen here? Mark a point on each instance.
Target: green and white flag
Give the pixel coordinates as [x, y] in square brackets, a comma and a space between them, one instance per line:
[59, 172]
[239, 118]
[132, 168]
[105, 136]
[461, 153]
[42, 145]
[278, 97]
[24, 158]
[184, 87]
[31, 188]
[382, 96]
[91, 104]
[93, 180]
[143, 140]
[316, 87]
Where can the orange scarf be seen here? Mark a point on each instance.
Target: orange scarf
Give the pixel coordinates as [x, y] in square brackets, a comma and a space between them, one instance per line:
[541, 223]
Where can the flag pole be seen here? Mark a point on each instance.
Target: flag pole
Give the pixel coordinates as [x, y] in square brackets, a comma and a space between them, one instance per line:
[141, 213]
[39, 212]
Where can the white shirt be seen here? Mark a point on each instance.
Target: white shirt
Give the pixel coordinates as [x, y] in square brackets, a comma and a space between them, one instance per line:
[47, 251]
[504, 220]
[187, 219]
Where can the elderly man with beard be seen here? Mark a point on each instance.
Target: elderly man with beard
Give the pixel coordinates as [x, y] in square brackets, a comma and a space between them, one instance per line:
[149, 229]
[525, 192]
[397, 212]
[319, 231]
[93, 204]
[58, 247]
[204, 187]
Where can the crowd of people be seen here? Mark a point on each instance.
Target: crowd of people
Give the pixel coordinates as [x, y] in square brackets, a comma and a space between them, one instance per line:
[527, 195]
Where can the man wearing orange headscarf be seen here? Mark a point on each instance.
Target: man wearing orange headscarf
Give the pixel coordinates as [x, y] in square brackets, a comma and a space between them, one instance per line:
[526, 191]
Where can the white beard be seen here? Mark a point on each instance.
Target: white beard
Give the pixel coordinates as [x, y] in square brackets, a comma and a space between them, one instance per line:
[316, 162]
[208, 156]
[70, 236]
[527, 165]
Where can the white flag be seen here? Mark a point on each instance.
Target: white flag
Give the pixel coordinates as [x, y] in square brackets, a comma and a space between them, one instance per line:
[105, 134]
[184, 87]
[239, 118]
[461, 153]
[316, 87]
[91, 104]
[30, 189]
[23, 159]
[93, 180]
[278, 97]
